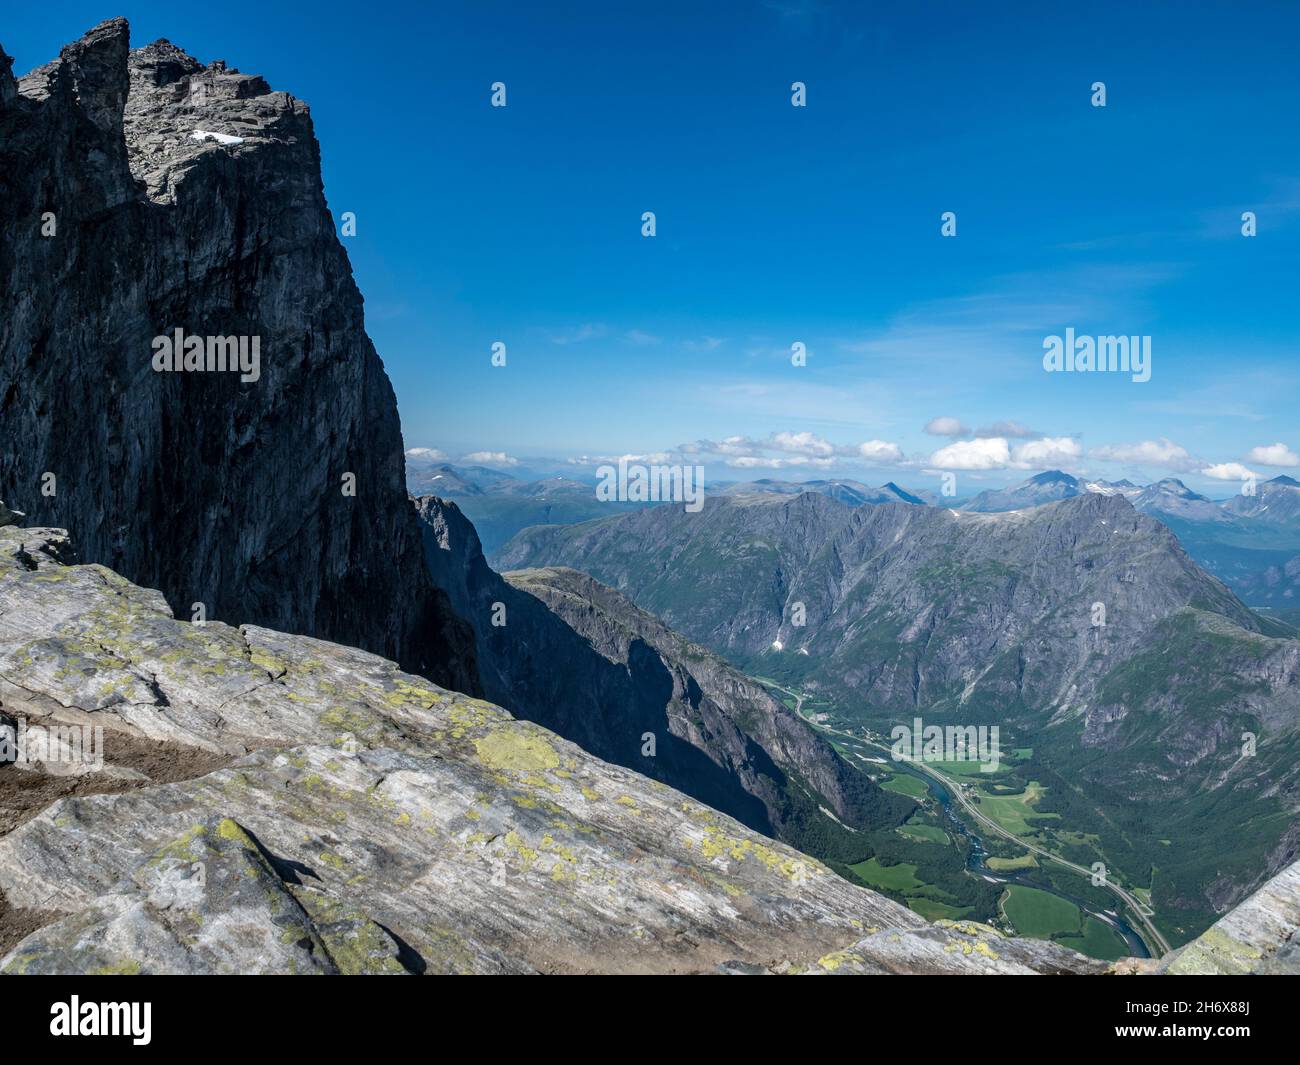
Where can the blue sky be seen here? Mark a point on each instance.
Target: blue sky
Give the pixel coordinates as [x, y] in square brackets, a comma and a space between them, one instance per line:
[820, 224]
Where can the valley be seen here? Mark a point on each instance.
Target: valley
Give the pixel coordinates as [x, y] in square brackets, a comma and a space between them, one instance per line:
[956, 811]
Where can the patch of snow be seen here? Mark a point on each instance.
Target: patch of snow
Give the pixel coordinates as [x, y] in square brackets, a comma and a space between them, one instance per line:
[777, 645]
[220, 138]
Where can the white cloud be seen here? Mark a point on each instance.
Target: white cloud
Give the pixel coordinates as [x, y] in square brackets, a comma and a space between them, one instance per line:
[490, 458]
[1162, 452]
[424, 453]
[1273, 455]
[880, 451]
[982, 453]
[1228, 471]
[635, 336]
[800, 444]
[946, 427]
[1048, 451]
[801, 448]
[652, 458]
[731, 445]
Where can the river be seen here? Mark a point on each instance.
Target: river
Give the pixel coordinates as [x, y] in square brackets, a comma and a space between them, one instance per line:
[975, 860]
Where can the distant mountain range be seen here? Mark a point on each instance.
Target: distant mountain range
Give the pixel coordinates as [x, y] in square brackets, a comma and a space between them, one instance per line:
[500, 504]
[854, 493]
[1246, 541]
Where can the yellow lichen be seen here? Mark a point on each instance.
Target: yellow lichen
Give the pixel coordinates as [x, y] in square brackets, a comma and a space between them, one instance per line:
[517, 751]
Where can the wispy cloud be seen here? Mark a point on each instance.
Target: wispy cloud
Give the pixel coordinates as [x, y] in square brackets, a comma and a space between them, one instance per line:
[586, 331]
[1162, 453]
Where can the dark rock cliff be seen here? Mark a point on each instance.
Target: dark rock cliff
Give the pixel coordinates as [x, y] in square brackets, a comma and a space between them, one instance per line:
[121, 225]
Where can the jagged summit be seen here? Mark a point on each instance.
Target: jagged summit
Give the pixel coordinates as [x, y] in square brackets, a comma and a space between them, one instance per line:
[162, 63]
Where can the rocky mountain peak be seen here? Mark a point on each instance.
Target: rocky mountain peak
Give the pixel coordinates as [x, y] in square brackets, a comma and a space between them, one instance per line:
[143, 194]
[162, 63]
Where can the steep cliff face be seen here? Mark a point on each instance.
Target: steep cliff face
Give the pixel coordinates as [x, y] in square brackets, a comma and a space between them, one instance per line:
[558, 648]
[143, 193]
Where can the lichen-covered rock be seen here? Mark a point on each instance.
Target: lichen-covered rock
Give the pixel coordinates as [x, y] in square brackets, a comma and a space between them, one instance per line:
[210, 901]
[364, 820]
[949, 946]
[1261, 936]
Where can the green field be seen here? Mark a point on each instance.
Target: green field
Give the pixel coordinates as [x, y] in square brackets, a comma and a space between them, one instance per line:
[933, 910]
[1099, 940]
[1013, 812]
[901, 877]
[970, 768]
[1038, 913]
[1045, 916]
[1010, 865]
[924, 832]
[905, 784]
